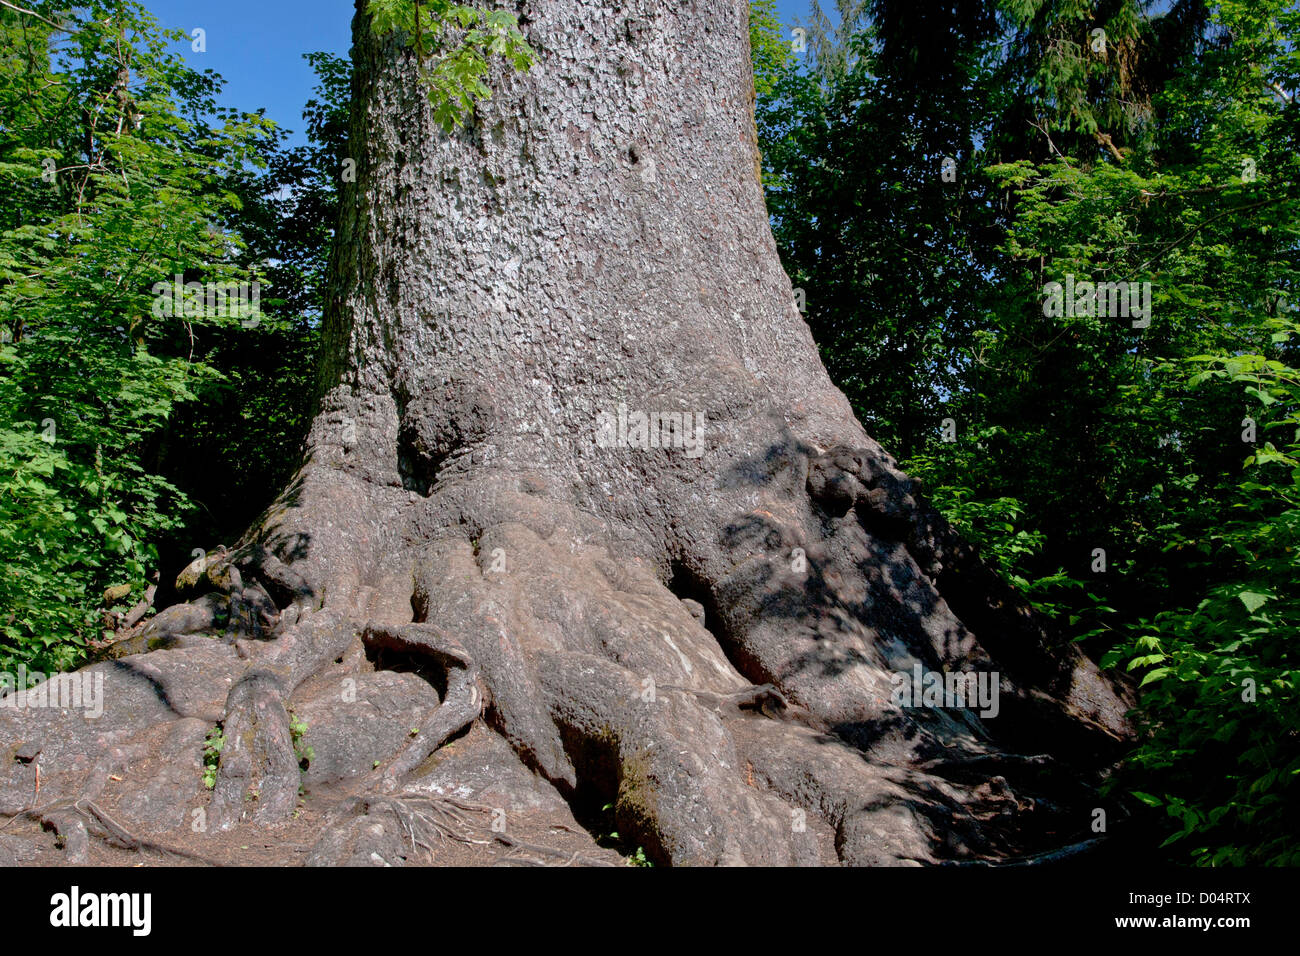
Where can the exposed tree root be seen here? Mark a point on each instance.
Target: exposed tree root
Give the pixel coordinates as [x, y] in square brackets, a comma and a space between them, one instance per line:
[427, 820]
[721, 745]
[609, 686]
[257, 775]
[69, 820]
[461, 705]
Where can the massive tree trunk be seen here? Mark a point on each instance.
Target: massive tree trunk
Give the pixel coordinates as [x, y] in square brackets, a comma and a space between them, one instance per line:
[704, 633]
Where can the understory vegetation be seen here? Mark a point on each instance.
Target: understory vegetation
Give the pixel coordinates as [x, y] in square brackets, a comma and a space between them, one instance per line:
[931, 171]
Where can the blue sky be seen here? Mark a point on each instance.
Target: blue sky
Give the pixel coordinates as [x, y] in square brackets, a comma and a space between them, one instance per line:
[257, 45]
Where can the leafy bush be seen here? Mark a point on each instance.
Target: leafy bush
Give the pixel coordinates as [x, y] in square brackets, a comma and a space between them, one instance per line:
[113, 181]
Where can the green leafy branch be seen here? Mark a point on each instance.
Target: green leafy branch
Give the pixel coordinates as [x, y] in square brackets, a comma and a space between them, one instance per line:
[455, 45]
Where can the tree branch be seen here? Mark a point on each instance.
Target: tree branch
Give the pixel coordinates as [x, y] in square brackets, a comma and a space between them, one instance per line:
[33, 13]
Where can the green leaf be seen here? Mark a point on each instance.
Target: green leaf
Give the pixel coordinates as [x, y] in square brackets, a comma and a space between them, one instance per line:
[1253, 600]
[1154, 675]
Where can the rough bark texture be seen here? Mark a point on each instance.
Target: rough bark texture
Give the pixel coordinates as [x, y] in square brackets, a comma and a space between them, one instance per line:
[706, 642]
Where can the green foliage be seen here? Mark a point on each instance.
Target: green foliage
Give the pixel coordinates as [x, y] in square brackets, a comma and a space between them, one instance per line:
[1151, 426]
[1221, 678]
[241, 440]
[607, 836]
[890, 255]
[455, 44]
[768, 49]
[213, 743]
[113, 181]
[1165, 157]
[131, 435]
[297, 731]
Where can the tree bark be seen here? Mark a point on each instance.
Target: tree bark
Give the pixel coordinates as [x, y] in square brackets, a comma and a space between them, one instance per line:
[708, 641]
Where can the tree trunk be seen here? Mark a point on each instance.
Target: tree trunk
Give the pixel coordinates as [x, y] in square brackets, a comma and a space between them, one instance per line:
[702, 630]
